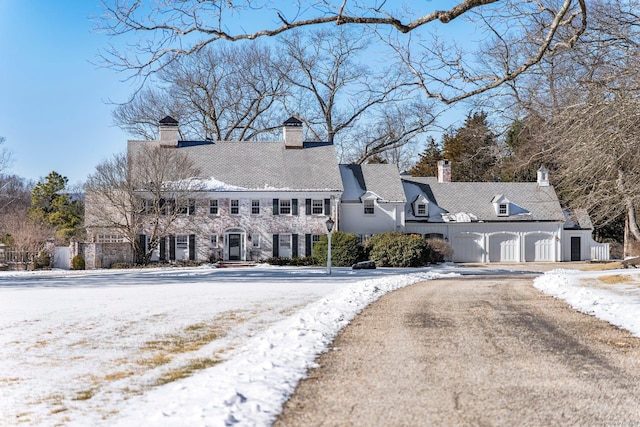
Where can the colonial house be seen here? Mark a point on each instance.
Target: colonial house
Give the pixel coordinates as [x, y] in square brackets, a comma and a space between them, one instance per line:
[271, 199]
[255, 199]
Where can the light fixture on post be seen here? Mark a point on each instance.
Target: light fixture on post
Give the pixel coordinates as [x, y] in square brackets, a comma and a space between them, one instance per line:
[330, 224]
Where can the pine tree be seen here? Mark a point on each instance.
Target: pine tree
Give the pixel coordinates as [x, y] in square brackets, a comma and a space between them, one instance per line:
[427, 165]
[51, 205]
[472, 149]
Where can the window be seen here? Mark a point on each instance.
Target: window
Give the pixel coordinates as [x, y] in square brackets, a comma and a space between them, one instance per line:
[255, 207]
[213, 207]
[285, 207]
[182, 242]
[187, 207]
[421, 209]
[315, 238]
[503, 209]
[368, 207]
[255, 240]
[234, 207]
[213, 241]
[109, 238]
[317, 207]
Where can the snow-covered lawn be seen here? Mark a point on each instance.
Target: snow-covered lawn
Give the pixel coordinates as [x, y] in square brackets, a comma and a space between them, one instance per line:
[202, 347]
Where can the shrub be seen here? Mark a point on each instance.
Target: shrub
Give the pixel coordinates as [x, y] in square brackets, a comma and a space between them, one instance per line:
[346, 250]
[42, 261]
[439, 251]
[295, 261]
[77, 263]
[394, 249]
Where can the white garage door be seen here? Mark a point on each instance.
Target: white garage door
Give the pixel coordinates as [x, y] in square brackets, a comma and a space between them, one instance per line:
[504, 248]
[467, 248]
[539, 247]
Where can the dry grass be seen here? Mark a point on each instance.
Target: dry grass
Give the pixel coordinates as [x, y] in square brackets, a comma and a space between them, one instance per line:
[85, 394]
[605, 266]
[186, 370]
[118, 375]
[615, 279]
[154, 361]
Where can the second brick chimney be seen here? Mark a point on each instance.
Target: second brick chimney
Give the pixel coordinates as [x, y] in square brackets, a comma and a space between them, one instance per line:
[444, 171]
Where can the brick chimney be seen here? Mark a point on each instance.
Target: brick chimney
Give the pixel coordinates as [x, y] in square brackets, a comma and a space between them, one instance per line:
[292, 133]
[444, 171]
[169, 132]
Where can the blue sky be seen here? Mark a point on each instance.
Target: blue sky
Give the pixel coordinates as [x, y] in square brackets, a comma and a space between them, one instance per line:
[54, 111]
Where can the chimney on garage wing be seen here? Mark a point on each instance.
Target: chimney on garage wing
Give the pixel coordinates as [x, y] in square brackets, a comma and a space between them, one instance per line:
[444, 171]
[292, 133]
[168, 132]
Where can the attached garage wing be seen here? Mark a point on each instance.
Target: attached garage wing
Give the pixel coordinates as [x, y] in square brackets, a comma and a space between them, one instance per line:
[504, 247]
[468, 247]
[539, 247]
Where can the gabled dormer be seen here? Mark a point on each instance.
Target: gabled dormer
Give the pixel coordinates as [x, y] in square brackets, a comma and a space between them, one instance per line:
[503, 207]
[420, 207]
[369, 201]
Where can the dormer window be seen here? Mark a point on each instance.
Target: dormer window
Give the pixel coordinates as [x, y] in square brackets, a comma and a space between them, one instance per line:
[502, 205]
[421, 206]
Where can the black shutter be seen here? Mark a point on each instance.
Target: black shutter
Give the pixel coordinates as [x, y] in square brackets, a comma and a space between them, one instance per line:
[294, 206]
[142, 243]
[192, 247]
[276, 245]
[307, 206]
[163, 249]
[192, 207]
[294, 246]
[308, 245]
[327, 207]
[276, 206]
[172, 247]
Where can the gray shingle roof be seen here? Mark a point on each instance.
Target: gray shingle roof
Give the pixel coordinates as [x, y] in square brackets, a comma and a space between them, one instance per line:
[266, 165]
[475, 198]
[381, 179]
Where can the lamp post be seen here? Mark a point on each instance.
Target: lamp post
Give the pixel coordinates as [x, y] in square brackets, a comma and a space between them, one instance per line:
[330, 224]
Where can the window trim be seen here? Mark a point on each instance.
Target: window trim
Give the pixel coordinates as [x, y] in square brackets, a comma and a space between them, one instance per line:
[234, 207]
[284, 205]
[503, 209]
[369, 204]
[214, 241]
[317, 206]
[212, 207]
[255, 206]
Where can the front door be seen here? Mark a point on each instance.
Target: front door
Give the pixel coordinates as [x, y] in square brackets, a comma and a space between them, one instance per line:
[234, 247]
[575, 249]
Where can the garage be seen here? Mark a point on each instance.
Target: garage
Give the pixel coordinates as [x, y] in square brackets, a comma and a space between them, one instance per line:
[467, 247]
[539, 247]
[504, 247]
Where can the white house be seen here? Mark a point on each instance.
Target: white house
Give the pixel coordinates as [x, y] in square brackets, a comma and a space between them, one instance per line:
[483, 221]
[272, 199]
[257, 199]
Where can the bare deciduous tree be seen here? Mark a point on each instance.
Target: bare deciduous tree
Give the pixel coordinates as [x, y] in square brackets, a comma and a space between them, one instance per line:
[177, 28]
[143, 192]
[223, 93]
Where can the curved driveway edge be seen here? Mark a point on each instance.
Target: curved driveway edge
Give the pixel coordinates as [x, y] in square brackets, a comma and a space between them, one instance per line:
[475, 350]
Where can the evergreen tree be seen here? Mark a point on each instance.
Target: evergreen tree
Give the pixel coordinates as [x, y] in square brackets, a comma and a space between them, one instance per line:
[472, 149]
[51, 205]
[427, 165]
